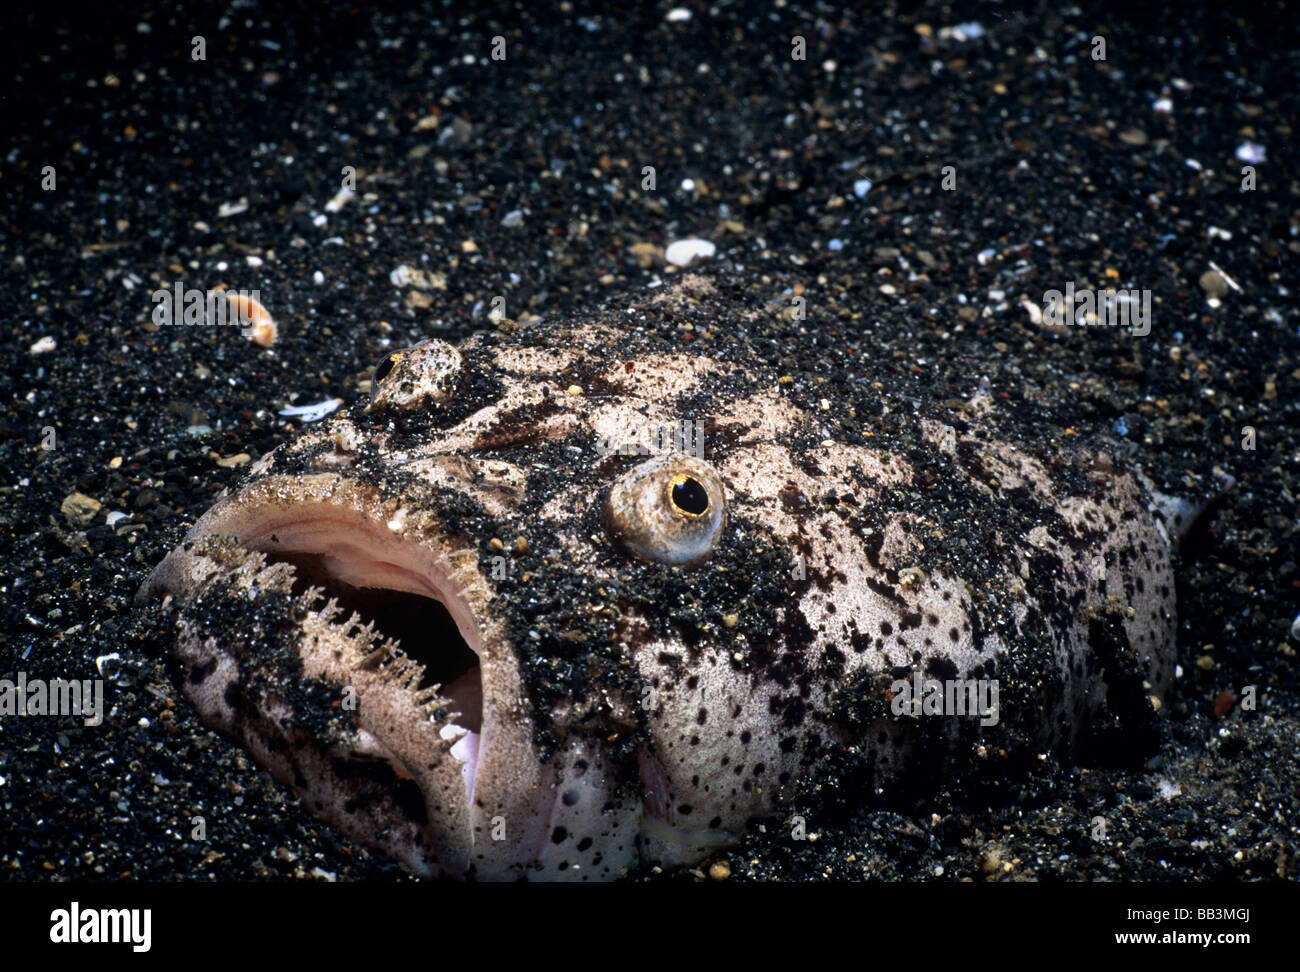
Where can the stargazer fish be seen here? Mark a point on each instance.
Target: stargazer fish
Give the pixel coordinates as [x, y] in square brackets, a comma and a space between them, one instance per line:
[493, 624]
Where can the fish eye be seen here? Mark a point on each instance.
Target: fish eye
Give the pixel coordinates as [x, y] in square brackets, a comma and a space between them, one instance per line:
[671, 510]
[688, 495]
[426, 375]
[385, 367]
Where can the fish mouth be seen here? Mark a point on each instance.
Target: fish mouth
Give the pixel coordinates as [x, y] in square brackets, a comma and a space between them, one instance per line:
[382, 584]
[380, 602]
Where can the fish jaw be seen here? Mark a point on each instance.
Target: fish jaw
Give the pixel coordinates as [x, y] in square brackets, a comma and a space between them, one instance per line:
[284, 591]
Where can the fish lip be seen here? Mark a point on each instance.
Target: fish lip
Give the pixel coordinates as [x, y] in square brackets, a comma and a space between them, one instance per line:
[414, 557]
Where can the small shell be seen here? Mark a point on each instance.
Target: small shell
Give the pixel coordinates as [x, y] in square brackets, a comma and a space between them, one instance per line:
[671, 510]
[257, 321]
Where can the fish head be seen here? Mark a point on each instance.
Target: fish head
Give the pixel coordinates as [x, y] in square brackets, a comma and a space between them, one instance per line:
[468, 620]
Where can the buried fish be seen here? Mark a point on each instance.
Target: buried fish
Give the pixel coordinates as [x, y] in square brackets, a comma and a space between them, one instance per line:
[490, 625]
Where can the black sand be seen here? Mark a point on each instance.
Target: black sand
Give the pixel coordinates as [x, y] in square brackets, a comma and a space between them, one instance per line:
[1066, 171]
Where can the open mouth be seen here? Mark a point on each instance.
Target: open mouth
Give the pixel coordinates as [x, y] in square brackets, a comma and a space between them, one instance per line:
[397, 590]
[352, 646]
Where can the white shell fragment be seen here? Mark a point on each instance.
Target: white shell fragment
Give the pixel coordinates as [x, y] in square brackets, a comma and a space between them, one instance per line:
[312, 413]
[682, 252]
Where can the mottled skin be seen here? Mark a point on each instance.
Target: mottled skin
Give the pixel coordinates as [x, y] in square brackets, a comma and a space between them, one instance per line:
[632, 708]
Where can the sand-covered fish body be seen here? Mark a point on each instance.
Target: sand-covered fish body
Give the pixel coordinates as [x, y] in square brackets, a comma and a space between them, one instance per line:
[481, 624]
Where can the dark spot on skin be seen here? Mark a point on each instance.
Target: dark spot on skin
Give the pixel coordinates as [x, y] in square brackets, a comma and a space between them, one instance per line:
[570, 797]
[941, 668]
[792, 501]
[558, 835]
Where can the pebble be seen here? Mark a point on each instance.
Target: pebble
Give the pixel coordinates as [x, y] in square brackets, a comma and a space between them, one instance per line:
[513, 218]
[1295, 628]
[677, 15]
[682, 252]
[79, 508]
[861, 188]
[44, 345]
[339, 200]
[1213, 284]
[1250, 152]
[1224, 703]
[719, 870]
[115, 517]
[646, 254]
[971, 30]
[239, 459]
[1133, 136]
[408, 276]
